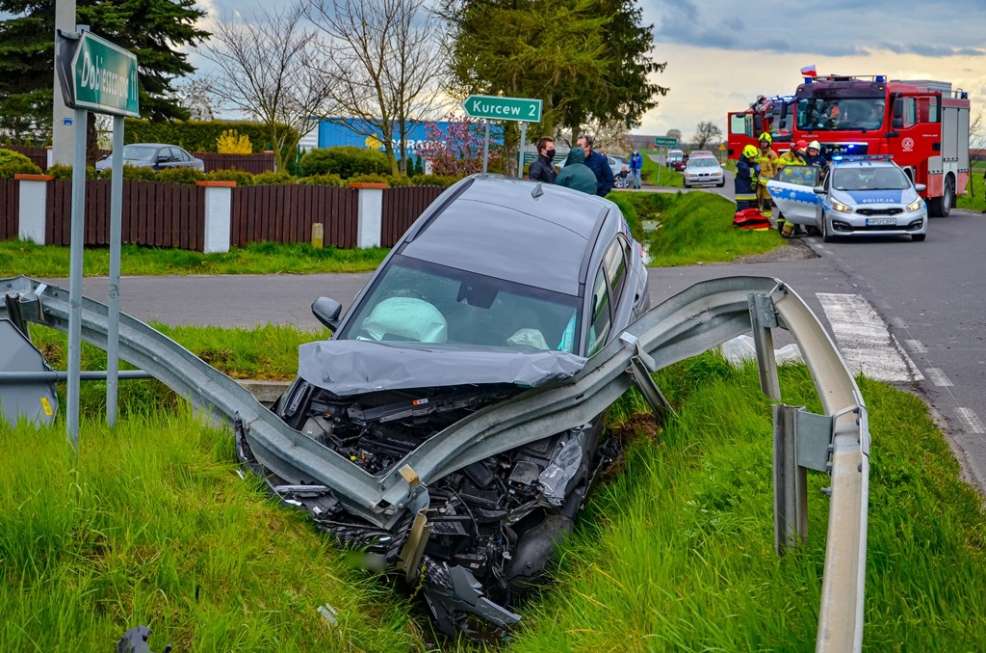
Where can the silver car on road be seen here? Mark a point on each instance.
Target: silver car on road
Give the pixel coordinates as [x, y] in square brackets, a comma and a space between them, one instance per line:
[703, 171]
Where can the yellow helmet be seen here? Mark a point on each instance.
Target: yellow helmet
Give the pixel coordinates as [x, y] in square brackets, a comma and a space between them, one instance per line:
[750, 152]
[766, 137]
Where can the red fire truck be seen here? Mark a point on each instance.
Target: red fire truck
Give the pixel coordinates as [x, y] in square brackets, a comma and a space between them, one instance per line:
[922, 124]
[767, 114]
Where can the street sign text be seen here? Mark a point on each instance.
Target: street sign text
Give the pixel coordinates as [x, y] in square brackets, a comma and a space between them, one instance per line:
[494, 107]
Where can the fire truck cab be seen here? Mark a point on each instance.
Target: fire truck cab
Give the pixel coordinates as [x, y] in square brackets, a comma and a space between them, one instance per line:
[774, 115]
[923, 125]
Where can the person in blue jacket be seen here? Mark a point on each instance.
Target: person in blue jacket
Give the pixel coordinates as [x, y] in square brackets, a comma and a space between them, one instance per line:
[636, 165]
[599, 165]
[745, 183]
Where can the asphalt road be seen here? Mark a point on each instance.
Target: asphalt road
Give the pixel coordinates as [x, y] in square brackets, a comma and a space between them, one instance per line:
[910, 313]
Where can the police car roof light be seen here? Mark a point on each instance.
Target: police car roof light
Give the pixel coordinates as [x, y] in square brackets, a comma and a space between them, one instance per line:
[862, 157]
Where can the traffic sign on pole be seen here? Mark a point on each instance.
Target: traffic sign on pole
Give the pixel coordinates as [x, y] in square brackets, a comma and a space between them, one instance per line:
[494, 107]
[665, 141]
[98, 75]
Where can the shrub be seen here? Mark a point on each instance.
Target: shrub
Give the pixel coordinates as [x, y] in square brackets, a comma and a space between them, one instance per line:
[12, 163]
[344, 161]
[434, 180]
[136, 173]
[396, 181]
[273, 178]
[178, 176]
[369, 179]
[232, 142]
[322, 180]
[241, 177]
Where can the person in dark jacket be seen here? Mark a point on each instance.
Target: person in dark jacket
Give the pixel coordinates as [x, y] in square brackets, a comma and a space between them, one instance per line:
[543, 169]
[745, 183]
[599, 165]
[576, 174]
[636, 166]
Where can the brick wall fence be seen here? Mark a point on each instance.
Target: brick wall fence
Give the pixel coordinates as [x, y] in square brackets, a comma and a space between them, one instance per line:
[212, 216]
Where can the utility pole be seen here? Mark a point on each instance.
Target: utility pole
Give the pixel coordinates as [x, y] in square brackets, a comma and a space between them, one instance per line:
[62, 136]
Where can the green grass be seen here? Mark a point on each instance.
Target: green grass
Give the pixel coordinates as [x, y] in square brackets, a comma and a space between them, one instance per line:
[695, 228]
[20, 257]
[151, 525]
[975, 197]
[676, 553]
[655, 174]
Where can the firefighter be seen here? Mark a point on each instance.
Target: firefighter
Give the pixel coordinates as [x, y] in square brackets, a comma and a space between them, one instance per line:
[795, 156]
[815, 157]
[745, 182]
[767, 159]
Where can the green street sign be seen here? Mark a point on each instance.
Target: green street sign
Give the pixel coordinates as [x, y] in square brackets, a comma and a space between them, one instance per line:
[102, 77]
[665, 141]
[494, 107]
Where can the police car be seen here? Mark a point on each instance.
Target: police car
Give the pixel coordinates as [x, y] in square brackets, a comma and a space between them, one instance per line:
[854, 196]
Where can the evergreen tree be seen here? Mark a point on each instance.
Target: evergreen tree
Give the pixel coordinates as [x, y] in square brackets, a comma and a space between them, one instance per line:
[154, 30]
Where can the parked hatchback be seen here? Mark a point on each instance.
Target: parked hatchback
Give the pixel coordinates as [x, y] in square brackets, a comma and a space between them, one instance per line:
[159, 156]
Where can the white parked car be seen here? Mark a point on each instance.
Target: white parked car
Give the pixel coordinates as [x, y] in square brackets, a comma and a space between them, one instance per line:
[703, 171]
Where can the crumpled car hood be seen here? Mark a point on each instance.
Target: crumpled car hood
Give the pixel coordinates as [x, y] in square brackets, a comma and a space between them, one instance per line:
[350, 367]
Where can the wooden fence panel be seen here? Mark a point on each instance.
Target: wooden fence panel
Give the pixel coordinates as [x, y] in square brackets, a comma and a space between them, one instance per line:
[9, 208]
[401, 207]
[159, 215]
[285, 214]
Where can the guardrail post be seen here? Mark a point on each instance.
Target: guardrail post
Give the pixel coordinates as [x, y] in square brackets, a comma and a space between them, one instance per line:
[218, 215]
[32, 212]
[369, 213]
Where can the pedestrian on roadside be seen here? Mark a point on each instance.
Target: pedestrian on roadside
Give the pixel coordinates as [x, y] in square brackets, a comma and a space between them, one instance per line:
[636, 166]
[745, 181]
[795, 156]
[815, 157]
[598, 163]
[576, 174]
[543, 169]
[768, 166]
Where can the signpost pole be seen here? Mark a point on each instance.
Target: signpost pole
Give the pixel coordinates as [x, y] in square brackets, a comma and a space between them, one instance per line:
[77, 236]
[520, 150]
[486, 147]
[113, 317]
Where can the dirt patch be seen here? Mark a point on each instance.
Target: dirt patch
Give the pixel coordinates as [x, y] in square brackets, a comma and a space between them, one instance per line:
[792, 250]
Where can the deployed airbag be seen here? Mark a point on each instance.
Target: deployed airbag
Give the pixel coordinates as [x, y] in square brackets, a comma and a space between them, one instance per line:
[349, 367]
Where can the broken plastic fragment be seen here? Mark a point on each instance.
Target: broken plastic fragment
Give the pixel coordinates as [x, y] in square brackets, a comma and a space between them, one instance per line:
[329, 614]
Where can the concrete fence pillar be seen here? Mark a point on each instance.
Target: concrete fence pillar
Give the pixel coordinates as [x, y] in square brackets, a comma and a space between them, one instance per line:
[369, 224]
[218, 215]
[32, 213]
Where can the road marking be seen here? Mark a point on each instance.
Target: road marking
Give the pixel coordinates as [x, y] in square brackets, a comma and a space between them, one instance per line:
[938, 377]
[972, 422]
[916, 346]
[866, 343]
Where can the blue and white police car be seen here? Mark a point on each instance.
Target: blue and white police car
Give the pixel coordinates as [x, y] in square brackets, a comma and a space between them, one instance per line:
[854, 196]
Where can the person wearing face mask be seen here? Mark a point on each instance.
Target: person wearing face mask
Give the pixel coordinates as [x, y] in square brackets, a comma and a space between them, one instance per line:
[543, 168]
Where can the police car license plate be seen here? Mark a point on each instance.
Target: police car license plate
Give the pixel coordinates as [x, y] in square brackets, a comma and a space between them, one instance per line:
[880, 222]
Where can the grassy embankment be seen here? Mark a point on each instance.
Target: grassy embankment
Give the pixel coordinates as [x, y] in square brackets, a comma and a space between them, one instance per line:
[975, 197]
[694, 228]
[151, 525]
[655, 174]
[19, 257]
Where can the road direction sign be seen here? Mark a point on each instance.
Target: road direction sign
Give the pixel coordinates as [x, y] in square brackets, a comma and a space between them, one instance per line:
[665, 141]
[494, 107]
[99, 76]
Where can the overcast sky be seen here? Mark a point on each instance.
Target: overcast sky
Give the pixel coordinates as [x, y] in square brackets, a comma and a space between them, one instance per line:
[722, 54]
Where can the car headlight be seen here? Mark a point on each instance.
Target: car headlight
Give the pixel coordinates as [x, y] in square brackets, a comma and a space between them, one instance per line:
[840, 207]
[915, 205]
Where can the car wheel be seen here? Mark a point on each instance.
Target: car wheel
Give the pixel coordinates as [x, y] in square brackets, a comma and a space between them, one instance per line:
[919, 238]
[722, 183]
[826, 236]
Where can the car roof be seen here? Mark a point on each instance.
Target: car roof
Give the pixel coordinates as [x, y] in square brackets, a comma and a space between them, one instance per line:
[877, 163]
[703, 153]
[500, 227]
[155, 145]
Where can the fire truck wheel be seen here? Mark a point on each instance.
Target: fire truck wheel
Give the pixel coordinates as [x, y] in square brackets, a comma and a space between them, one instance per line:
[940, 207]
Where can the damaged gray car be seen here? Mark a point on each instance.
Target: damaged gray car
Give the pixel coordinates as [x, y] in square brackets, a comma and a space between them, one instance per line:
[501, 286]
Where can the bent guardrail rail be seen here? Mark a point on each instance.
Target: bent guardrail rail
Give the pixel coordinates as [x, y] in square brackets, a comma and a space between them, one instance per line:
[689, 323]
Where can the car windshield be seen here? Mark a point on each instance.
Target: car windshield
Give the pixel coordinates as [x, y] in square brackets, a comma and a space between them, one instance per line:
[703, 163]
[138, 152]
[800, 175]
[422, 302]
[884, 178]
[840, 113]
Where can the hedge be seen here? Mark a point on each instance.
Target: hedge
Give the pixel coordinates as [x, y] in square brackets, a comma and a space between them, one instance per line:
[196, 135]
[344, 161]
[12, 163]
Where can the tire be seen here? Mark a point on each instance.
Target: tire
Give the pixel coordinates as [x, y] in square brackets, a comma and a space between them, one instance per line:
[940, 207]
[826, 236]
[918, 238]
[722, 183]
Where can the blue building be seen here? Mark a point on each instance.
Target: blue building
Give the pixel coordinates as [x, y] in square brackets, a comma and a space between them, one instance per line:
[355, 132]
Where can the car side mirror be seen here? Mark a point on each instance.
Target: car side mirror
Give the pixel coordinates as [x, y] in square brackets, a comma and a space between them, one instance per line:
[920, 188]
[327, 311]
[819, 190]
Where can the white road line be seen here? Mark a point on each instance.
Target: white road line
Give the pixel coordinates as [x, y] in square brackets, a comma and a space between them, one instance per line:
[938, 377]
[865, 341]
[916, 346]
[972, 421]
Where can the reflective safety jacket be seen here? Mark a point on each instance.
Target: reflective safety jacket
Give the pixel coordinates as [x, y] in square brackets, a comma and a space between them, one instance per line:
[790, 158]
[768, 166]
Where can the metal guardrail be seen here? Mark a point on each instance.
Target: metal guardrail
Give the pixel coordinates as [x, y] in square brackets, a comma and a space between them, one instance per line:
[684, 325]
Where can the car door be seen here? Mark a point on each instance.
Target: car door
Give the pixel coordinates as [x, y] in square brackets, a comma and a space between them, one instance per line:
[793, 191]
